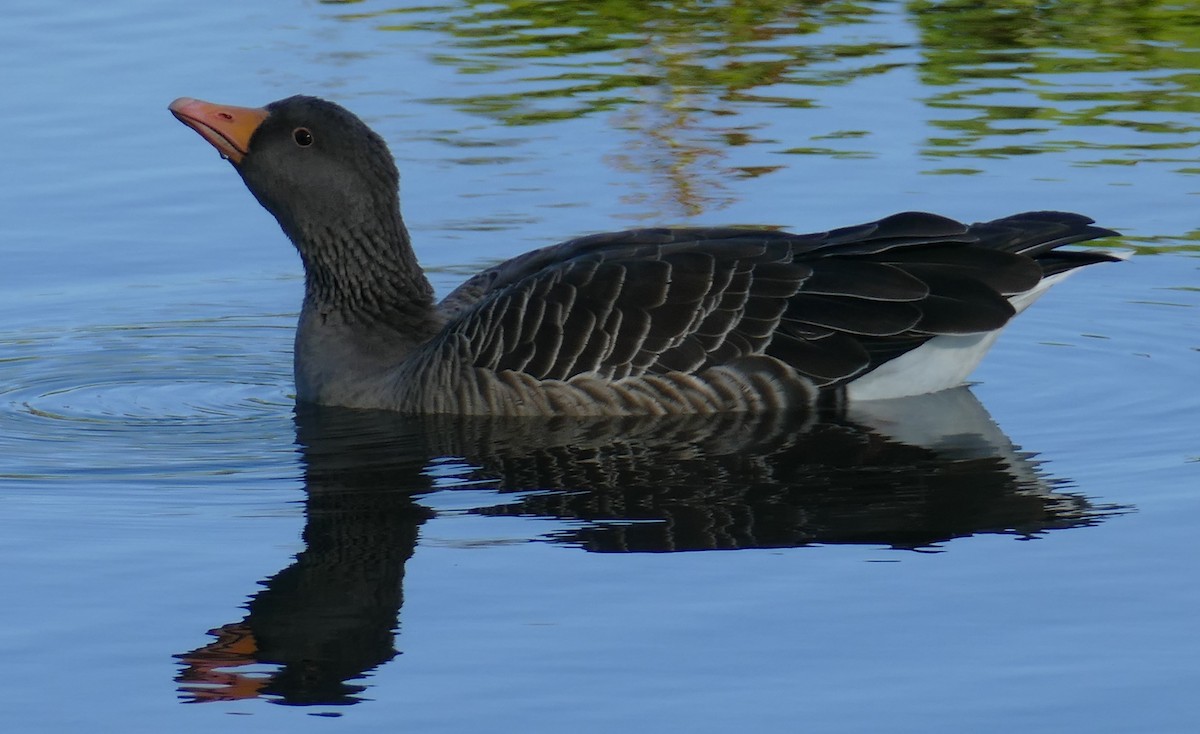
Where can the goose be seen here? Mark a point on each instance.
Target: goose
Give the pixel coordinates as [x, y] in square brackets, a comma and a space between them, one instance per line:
[642, 321]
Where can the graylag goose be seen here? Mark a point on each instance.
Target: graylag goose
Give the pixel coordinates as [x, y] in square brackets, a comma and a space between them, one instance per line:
[644, 321]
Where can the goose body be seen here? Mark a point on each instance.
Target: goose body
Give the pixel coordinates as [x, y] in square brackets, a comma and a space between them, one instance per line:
[644, 321]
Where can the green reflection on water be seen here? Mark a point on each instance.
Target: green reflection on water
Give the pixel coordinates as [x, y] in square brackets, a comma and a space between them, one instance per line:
[1098, 83]
[594, 56]
[1035, 71]
[676, 77]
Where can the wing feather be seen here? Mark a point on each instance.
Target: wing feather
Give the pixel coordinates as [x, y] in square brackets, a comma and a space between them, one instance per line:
[829, 305]
[852, 315]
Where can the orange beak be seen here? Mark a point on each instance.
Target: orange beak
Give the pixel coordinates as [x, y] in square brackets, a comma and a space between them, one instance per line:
[227, 128]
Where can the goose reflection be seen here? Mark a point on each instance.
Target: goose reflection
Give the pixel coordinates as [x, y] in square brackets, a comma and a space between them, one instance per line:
[906, 474]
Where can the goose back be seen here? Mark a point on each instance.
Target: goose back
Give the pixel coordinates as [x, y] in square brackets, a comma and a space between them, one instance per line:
[726, 319]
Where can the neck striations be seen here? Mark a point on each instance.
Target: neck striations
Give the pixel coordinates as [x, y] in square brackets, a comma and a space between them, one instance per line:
[367, 307]
[367, 277]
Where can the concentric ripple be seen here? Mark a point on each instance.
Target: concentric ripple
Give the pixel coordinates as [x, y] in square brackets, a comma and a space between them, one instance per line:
[146, 401]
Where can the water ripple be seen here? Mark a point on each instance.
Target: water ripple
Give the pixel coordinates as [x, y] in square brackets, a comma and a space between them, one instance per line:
[146, 401]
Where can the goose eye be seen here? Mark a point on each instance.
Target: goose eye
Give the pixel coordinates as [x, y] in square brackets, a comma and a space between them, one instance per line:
[302, 137]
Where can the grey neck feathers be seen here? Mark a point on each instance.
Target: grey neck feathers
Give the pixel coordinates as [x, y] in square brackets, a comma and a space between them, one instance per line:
[368, 276]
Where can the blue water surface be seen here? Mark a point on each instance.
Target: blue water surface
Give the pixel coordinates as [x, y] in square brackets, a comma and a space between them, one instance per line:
[183, 550]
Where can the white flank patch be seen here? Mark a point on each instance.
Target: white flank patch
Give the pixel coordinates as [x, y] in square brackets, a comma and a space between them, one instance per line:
[941, 363]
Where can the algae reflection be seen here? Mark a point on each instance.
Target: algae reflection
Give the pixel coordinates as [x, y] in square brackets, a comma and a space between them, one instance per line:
[1104, 84]
[907, 475]
[1114, 83]
[676, 77]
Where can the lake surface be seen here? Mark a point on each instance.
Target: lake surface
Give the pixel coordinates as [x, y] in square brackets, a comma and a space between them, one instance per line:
[184, 550]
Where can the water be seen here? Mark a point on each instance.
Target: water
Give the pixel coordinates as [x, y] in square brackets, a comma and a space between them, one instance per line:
[183, 551]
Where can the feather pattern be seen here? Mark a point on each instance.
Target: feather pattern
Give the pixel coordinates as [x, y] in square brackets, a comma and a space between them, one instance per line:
[707, 320]
[644, 321]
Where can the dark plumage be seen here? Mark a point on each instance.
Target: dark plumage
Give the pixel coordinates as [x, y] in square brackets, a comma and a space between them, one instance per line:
[641, 321]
